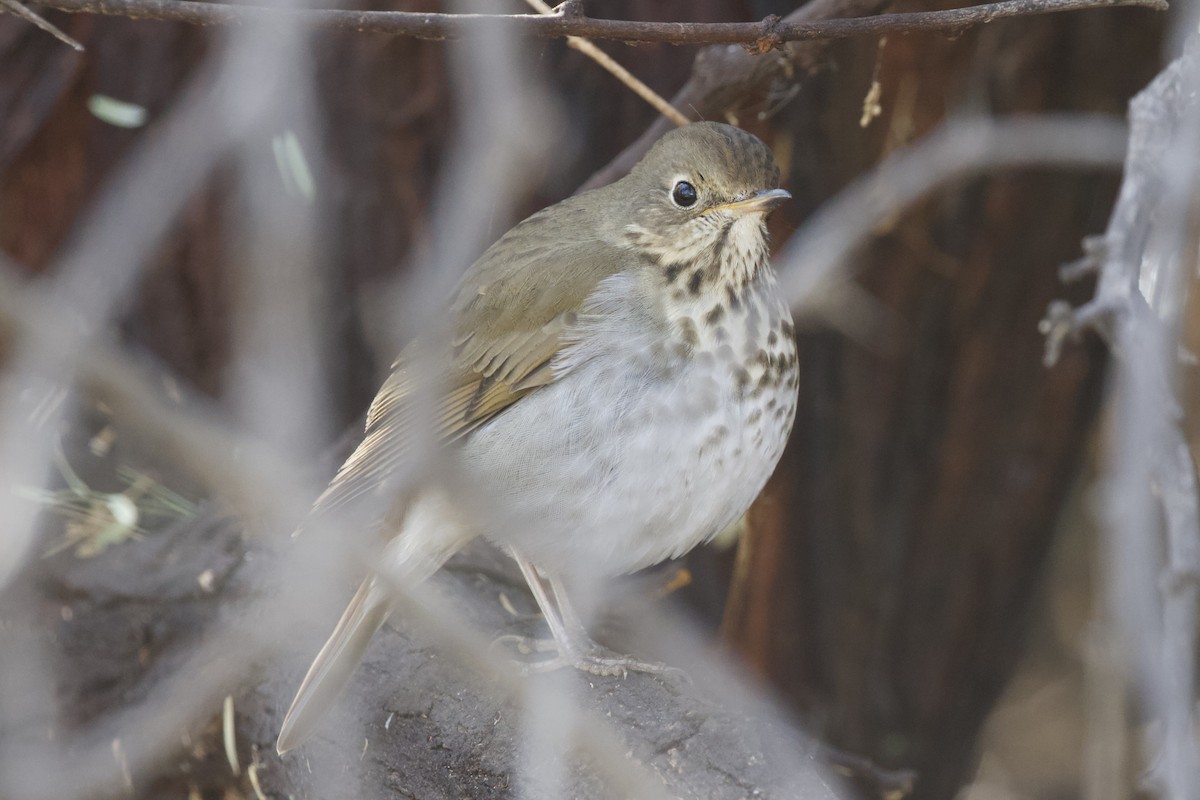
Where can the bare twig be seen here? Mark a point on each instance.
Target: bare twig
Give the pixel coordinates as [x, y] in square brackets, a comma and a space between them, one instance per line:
[620, 73]
[1151, 508]
[94, 271]
[957, 150]
[14, 7]
[757, 36]
[725, 77]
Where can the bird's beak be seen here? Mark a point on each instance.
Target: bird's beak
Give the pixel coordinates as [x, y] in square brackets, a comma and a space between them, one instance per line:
[758, 203]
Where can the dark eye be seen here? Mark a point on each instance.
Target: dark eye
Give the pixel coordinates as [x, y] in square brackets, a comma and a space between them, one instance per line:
[684, 194]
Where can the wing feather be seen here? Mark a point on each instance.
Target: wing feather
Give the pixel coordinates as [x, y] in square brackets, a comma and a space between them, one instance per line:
[476, 392]
[512, 312]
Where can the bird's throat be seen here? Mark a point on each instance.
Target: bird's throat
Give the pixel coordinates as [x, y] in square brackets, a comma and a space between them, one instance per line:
[723, 308]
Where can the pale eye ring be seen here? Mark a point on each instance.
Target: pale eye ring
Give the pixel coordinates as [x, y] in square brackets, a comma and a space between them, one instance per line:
[684, 195]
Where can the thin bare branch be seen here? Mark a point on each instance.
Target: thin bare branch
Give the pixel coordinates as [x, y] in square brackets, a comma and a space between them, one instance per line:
[619, 72]
[759, 37]
[1151, 507]
[24, 13]
[957, 150]
[725, 78]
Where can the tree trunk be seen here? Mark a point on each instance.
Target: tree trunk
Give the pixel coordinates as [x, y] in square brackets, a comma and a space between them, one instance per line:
[895, 554]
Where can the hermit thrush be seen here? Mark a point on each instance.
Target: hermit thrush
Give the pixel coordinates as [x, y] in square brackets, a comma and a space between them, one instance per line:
[621, 384]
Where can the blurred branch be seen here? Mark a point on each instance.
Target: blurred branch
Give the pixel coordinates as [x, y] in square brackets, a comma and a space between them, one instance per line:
[1145, 262]
[1116, 256]
[723, 77]
[619, 72]
[955, 151]
[126, 386]
[14, 7]
[570, 20]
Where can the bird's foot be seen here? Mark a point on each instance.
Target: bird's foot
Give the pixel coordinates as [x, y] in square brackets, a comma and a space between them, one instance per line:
[590, 658]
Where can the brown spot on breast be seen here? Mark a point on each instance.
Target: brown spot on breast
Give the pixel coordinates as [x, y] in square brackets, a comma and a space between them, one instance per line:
[672, 272]
[687, 329]
[772, 338]
[695, 281]
[742, 378]
[714, 316]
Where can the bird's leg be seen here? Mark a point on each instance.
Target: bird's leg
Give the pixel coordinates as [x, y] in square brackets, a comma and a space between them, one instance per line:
[592, 657]
[527, 644]
[571, 621]
[572, 645]
[549, 609]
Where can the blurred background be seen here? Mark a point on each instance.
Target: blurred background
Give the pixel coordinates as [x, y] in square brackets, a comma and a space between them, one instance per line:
[915, 584]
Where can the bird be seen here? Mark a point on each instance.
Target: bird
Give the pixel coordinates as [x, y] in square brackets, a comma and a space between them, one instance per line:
[619, 384]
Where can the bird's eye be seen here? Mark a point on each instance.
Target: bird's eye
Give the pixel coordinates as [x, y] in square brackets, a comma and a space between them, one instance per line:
[684, 194]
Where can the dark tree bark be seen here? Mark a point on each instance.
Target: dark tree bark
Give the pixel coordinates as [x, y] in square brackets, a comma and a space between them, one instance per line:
[898, 547]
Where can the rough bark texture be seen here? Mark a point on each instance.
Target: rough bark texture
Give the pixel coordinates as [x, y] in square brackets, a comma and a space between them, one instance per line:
[898, 547]
[895, 552]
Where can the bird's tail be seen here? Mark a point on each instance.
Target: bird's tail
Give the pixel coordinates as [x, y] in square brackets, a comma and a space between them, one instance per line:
[333, 666]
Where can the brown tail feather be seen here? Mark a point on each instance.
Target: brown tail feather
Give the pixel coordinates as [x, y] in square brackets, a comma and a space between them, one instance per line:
[333, 666]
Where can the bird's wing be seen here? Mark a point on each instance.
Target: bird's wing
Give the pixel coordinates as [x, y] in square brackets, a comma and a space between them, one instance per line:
[511, 311]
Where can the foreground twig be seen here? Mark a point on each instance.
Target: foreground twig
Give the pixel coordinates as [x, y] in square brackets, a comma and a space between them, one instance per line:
[1144, 264]
[14, 7]
[957, 150]
[620, 73]
[724, 78]
[758, 36]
